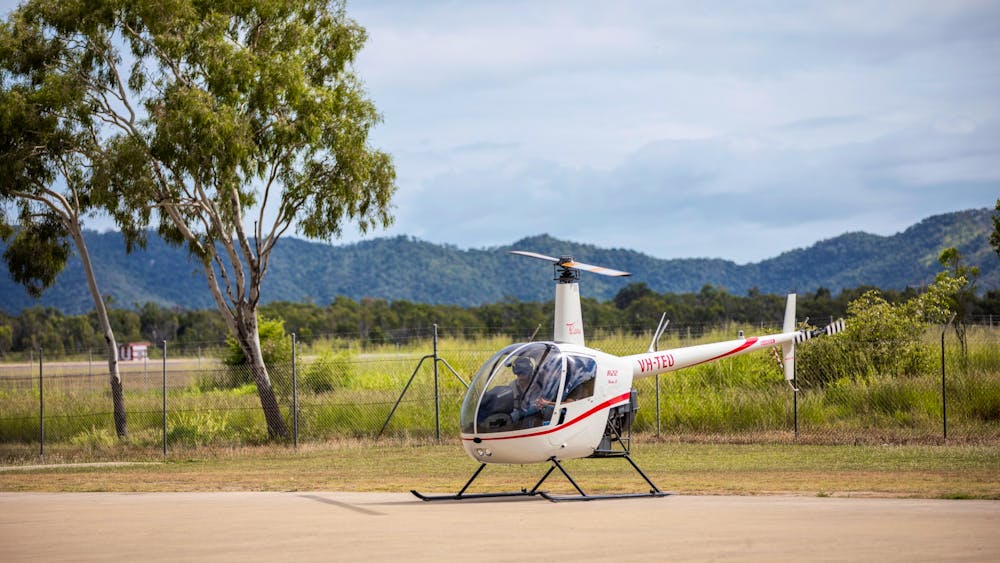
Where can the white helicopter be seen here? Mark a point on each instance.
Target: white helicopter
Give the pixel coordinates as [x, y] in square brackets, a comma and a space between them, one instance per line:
[536, 402]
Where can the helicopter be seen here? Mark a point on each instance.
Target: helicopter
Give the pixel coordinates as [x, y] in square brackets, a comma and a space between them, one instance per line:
[551, 401]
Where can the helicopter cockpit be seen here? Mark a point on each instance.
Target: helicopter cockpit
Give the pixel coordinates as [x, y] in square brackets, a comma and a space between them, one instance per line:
[523, 385]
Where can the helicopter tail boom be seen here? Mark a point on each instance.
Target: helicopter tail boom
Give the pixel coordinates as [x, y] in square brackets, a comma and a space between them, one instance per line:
[654, 363]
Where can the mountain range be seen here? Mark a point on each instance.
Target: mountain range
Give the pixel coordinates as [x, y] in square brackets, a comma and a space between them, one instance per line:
[404, 268]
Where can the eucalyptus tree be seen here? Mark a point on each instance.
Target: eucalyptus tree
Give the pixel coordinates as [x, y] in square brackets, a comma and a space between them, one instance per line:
[48, 149]
[225, 125]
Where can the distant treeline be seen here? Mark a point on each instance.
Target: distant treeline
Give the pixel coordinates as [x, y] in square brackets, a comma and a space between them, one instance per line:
[635, 309]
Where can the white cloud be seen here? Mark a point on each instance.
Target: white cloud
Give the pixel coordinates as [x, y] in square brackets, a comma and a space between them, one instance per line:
[710, 129]
[723, 197]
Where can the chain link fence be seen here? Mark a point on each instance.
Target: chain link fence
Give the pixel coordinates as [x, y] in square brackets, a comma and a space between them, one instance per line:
[932, 394]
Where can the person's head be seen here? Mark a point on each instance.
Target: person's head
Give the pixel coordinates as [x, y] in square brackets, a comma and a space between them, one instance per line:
[522, 368]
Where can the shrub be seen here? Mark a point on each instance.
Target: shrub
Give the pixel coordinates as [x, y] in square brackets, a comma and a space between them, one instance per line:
[275, 345]
[95, 437]
[332, 369]
[196, 428]
[881, 339]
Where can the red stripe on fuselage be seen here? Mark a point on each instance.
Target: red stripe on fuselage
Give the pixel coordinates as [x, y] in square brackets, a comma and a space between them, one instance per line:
[605, 405]
[749, 342]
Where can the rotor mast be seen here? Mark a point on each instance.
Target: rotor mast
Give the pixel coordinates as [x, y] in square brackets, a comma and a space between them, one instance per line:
[568, 322]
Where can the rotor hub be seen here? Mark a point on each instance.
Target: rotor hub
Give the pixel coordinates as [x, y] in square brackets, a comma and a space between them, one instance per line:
[563, 272]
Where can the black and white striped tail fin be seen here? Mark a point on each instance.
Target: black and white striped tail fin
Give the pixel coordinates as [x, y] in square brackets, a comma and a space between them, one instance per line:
[832, 328]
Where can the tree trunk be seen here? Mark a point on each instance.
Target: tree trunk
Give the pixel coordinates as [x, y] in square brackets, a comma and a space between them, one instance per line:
[249, 339]
[114, 377]
[240, 315]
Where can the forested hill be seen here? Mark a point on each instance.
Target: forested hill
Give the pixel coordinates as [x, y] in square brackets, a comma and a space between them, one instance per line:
[403, 268]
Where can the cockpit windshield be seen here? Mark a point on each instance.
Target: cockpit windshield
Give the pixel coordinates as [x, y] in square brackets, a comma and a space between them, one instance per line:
[515, 389]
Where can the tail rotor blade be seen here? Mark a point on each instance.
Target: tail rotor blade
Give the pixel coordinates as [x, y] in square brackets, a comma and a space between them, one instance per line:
[835, 327]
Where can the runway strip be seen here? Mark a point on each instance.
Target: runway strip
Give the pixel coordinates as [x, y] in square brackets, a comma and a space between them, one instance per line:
[324, 526]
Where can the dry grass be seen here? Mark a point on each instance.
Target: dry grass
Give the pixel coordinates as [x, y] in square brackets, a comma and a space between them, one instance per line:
[884, 471]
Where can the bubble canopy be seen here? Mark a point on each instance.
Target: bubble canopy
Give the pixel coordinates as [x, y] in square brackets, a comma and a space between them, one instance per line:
[521, 387]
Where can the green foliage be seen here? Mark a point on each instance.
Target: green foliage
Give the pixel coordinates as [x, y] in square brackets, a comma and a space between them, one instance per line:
[894, 336]
[962, 300]
[275, 345]
[330, 370]
[980, 406]
[200, 428]
[995, 235]
[199, 112]
[50, 143]
[402, 269]
[881, 339]
[235, 95]
[351, 390]
[95, 437]
[276, 348]
[347, 323]
[36, 253]
[6, 339]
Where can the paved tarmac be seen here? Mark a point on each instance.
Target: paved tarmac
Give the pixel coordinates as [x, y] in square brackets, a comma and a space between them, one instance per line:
[328, 526]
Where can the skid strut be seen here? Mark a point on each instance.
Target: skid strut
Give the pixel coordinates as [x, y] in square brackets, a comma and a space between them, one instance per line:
[535, 491]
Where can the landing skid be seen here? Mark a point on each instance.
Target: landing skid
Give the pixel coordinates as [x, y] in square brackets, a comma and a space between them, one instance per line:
[653, 492]
[462, 496]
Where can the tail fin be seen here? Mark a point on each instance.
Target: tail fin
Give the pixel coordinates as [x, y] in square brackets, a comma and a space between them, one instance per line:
[788, 350]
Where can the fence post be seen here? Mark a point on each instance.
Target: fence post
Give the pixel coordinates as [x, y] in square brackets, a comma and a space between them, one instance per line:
[164, 399]
[795, 399]
[437, 403]
[295, 397]
[41, 409]
[944, 392]
[657, 405]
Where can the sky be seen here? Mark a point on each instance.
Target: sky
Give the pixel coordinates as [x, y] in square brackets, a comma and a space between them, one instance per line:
[735, 130]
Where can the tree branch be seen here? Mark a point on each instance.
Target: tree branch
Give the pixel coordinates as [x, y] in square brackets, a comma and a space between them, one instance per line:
[160, 56]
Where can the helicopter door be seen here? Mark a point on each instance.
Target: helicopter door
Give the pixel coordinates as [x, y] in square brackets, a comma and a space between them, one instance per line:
[577, 398]
[581, 372]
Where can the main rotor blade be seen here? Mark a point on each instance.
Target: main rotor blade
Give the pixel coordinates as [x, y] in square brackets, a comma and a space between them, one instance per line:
[572, 264]
[536, 255]
[594, 269]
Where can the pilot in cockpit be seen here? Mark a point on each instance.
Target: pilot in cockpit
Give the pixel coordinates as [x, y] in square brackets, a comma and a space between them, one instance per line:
[524, 392]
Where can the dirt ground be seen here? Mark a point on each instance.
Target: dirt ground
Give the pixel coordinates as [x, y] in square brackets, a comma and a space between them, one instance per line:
[327, 526]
